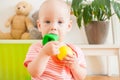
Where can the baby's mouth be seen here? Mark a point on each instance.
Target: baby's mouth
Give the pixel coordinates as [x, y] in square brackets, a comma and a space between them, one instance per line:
[53, 33]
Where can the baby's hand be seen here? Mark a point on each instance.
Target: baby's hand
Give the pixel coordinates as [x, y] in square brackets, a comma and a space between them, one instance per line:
[70, 60]
[51, 48]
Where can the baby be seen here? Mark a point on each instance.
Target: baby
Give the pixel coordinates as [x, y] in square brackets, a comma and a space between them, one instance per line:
[41, 61]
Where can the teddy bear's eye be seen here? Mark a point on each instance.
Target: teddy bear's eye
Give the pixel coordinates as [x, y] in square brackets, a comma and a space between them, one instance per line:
[23, 6]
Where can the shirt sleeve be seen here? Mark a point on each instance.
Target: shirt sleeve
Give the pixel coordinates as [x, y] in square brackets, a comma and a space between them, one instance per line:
[81, 57]
[32, 53]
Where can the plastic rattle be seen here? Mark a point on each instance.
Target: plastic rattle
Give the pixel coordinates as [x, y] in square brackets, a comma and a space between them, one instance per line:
[63, 52]
[63, 49]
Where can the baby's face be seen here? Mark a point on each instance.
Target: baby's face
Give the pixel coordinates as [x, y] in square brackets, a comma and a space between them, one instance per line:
[54, 19]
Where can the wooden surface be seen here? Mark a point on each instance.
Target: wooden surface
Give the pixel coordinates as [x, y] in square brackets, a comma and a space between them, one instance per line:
[101, 78]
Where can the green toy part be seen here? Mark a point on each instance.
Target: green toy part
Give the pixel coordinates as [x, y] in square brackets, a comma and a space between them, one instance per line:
[49, 37]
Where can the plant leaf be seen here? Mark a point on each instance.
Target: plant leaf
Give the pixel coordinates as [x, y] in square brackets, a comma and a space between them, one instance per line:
[116, 7]
[101, 9]
[87, 14]
[75, 6]
[79, 20]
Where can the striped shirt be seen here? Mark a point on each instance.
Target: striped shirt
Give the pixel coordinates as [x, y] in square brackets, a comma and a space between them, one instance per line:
[55, 69]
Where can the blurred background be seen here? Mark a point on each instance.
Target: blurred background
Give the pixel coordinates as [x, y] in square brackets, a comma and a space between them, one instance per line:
[96, 65]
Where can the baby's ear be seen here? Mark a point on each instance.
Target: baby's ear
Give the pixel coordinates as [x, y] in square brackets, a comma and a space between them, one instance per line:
[38, 25]
[70, 25]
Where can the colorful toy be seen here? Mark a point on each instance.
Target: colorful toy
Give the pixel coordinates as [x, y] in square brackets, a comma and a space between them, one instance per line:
[49, 37]
[63, 50]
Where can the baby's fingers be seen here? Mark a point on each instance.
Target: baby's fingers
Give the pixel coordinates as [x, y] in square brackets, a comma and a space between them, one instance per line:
[68, 58]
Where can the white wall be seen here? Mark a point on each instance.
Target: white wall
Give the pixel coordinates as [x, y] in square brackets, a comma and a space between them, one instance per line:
[96, 65]
[116, 29]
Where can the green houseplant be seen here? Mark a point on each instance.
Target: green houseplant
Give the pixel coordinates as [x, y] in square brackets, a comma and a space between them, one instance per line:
[94, 12]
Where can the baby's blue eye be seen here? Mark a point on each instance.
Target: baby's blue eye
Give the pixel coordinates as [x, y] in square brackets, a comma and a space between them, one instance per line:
[47, 22]
[60, 22]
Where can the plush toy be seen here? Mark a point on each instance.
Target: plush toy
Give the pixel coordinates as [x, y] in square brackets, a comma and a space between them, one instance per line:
[20, 23]
[34, 33]
[35, 18]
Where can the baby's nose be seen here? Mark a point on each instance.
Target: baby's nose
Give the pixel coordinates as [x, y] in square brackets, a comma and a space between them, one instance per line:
[53, 28]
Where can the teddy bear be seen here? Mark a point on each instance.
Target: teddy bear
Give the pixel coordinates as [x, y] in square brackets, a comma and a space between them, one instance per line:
[35, 30]
[20, 24]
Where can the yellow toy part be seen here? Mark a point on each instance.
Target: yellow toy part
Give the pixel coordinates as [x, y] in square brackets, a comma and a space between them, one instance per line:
[64, 50]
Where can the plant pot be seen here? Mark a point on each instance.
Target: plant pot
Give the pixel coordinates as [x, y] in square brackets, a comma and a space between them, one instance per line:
[97, 32]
